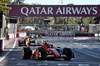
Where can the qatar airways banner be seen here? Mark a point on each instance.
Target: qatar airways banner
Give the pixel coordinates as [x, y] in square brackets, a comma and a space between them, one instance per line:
[54, 10]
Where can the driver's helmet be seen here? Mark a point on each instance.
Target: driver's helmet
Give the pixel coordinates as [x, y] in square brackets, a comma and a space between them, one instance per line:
[27, 37]
[32, 36]
[45, 41]
[36, 36]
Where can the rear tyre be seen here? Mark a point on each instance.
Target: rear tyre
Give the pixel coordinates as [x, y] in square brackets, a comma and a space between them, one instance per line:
[19, 43]
[68, 53]
[26, 53]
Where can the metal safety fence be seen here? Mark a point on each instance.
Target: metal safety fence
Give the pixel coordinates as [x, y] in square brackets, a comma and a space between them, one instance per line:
[91, 28]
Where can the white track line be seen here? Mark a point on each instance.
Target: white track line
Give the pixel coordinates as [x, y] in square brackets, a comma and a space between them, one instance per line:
[1, 59]
[62, 64]
[83, 65]
[22, 64]
[42, 64]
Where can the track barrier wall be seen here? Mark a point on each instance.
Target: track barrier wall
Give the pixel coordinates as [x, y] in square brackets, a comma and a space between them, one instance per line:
[21, 35]
[2, 45]
[66, 34]
[47, 36]
[17, 35]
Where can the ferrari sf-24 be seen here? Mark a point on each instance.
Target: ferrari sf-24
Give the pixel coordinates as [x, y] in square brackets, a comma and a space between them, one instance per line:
[43, 52]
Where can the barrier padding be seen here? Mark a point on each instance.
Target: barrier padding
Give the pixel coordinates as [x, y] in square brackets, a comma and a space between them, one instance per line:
[21, 35]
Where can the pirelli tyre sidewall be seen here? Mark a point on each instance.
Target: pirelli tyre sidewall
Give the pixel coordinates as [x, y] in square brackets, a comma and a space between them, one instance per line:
[26, 53]
[68, 53]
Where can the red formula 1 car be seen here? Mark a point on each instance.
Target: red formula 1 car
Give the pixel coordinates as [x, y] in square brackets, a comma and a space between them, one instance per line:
[47, 51]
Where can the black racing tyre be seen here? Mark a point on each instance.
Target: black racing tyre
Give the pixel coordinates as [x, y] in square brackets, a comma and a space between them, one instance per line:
[26, 53]
[19, 43]
[42, 51]
[33, 41]
[24, 41]
[40, 36]
[68, 53]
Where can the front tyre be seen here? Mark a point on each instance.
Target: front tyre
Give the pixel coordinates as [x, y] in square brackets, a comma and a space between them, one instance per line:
[68, 53]
[26, 53]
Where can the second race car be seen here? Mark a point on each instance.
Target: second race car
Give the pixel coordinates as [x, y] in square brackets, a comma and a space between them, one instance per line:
[33, 40]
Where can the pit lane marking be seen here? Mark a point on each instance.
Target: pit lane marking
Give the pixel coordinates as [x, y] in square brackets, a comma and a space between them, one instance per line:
[1, 59]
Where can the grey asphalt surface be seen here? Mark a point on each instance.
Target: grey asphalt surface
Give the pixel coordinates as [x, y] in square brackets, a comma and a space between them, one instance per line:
[87, 53]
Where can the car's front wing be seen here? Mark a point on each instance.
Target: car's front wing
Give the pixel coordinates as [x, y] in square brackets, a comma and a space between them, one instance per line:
[53, 56]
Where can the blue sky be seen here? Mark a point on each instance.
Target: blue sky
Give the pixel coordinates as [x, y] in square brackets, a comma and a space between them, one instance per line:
[58, 2]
